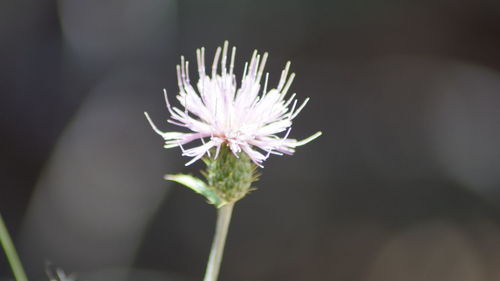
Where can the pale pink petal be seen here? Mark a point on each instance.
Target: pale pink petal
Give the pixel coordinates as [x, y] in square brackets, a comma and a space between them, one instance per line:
[240, 118]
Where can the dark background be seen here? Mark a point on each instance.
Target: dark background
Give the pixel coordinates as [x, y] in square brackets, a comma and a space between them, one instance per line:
[403, 185]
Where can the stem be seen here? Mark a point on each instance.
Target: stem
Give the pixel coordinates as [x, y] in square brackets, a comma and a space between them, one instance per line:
[11, 253]
[214, 261]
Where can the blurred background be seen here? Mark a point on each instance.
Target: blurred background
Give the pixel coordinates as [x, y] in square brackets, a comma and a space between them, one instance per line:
[403, 185]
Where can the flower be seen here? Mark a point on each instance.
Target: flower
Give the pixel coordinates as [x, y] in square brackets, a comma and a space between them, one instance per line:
[220, 113]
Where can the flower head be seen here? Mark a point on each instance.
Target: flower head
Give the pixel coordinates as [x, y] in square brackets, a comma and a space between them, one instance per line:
[219, 113]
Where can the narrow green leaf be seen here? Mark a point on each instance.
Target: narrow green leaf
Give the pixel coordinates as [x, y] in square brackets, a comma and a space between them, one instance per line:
[10, 252]
[198, 186]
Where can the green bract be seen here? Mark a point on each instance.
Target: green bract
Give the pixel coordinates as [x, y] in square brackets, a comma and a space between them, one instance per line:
[229, 178]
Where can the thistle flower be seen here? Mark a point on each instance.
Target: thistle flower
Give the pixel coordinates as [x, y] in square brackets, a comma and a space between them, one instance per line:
[238, 125]
[220, 114]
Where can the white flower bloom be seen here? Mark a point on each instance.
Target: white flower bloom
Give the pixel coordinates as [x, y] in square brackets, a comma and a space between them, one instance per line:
[219, 113]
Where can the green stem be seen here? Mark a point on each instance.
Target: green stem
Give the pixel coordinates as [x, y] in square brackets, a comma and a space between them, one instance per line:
[215, 259]
[11, 253]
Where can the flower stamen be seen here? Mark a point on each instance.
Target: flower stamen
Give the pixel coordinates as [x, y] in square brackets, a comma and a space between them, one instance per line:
[247, 119]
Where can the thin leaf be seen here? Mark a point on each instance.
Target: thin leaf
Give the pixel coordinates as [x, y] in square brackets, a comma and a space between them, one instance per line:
[198, 186]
